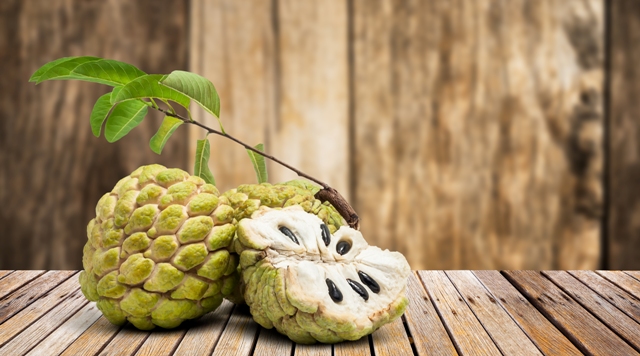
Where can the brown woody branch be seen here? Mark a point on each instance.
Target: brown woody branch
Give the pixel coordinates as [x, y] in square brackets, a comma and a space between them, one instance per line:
[325, 194]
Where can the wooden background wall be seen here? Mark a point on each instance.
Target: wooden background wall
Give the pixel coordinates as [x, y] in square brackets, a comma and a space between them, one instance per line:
[466, 133]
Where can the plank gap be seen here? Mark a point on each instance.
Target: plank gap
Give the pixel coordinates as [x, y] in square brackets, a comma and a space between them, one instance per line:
[473, 312]
[4, 273]
[589, 308]
[446, 327]
[546, 314]
[406, 329]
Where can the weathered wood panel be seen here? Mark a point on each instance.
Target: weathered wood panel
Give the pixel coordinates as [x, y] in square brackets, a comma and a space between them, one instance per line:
[53, 169]
[623, 156]
[477, 131]
[233, 45]
[311, 128]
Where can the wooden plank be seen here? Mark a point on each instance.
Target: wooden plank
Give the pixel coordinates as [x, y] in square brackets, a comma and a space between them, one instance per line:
[609, 291]
[313, 350]
[546, 337]
[311, 128]
[16, 280]
[466, 331]
[240, 61]
[634, 274]
[162, 342]
[623, 281]
[239, 335]
[611, 316]
[204, 333]
[583, 329]
[428, 333]
[504, 331]
[622, 212]
[93, 339]
[35, 310]
[461, 118]
[391, 339]
[360, 347]
[126, 342]
[22, 297]
[68, 332]
[271, 343]
[49, 187]
[44, 326]
[4, 273]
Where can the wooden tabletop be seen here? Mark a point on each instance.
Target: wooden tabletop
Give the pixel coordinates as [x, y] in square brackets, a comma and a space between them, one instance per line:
[450, 312]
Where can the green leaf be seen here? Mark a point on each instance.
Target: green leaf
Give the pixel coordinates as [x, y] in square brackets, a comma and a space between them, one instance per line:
[201, 166]
[168, 127]
[60, 69]
[196, 87]
[114, 93]
[259, 164]
[124, 118]
[99, 113]
[148, 86]
[107, 71]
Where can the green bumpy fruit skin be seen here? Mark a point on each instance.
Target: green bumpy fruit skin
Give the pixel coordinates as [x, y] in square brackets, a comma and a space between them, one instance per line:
[263, 286]
[159, 249]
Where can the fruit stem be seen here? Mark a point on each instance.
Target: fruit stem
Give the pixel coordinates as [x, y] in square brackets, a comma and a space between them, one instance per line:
[325, 194]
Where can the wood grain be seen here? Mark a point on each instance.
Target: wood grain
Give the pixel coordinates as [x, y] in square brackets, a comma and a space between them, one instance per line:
[428, 333]
[544, 334]
[16, 280]
[4, 273]
[93, 339]
[204, 333]
[623, 281]
[270, 343]
[466, 331]
[126, 342]
[504, 331]
[311, 128]
[233, 45]
[14, 302]
[239, 335]
[585, 331]
[623, 210]
[353, 348]
[313, 350]
[41, 328]
[68, 332]
[162, 342]
[391, 339]
[54, 169]
[468, 135]
[612, 293]
[634, 274]
[37, 309]
[611, 316]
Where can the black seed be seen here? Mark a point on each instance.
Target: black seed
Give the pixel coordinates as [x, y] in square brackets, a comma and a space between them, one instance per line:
[285, 230]
[334, 292]
[343, 247]
[369, 282]
[359, 288]
[326, 235]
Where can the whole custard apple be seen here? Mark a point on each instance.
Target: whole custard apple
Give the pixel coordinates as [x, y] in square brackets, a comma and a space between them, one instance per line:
[158, 250]
[306, 273]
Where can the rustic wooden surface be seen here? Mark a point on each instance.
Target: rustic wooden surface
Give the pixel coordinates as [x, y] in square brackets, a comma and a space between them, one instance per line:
[450, 313]
[623, 173]
[53, 169]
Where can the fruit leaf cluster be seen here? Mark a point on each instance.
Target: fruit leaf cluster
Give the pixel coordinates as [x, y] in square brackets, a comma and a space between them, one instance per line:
[134, 92]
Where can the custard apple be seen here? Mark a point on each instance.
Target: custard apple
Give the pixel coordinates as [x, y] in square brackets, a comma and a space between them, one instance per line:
[306, 273]
[158, 250]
